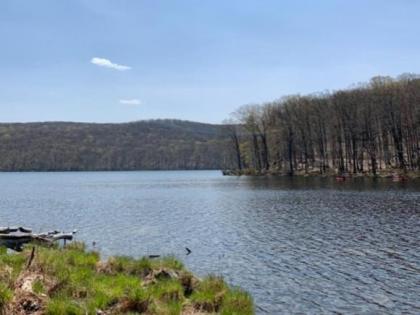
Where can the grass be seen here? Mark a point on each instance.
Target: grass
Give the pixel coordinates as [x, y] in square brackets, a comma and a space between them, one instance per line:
[75, 281]
[10, 266]
[128, 265]
[209, 294]
[5, 296]
[61, 305]
[38, 287]
[237, 302]
[168, 291]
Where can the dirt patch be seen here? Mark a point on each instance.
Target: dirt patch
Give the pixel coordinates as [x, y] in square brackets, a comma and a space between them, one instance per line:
[25, 300]
[25, 303]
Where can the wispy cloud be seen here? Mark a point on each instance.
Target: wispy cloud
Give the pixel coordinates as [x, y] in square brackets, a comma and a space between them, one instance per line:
[102, 62]
[133, 101]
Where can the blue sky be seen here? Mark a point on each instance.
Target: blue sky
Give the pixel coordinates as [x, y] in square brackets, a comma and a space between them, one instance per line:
[191, 59]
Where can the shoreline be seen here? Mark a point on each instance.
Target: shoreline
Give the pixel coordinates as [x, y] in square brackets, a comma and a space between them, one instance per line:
[395, 175]
[72, 280]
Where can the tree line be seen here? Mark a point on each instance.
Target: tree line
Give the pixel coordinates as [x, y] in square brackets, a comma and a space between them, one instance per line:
[370, 128]
[143, 145]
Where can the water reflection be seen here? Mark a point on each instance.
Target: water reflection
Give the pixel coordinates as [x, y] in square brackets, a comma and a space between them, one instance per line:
[312, 182]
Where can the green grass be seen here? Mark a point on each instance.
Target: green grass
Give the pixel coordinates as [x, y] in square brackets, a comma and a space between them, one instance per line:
[10, 266]
[213, 295]
[38, 287]
[5, 296]
[237, 302]
[141, 267]
[168, 291]
[137, 300]
[63, 306]
[209, 294]
[107, 291]
[75, 281]
[169, 262]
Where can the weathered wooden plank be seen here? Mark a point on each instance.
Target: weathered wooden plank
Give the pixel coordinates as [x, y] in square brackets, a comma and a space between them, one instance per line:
[15, 238]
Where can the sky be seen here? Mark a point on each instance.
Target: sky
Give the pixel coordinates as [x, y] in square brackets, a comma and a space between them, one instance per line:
[119, 61]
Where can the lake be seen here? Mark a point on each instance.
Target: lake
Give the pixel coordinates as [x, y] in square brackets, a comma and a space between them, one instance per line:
[298, 245]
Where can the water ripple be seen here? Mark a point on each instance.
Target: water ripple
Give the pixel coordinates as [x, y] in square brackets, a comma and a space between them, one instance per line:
[300, 246]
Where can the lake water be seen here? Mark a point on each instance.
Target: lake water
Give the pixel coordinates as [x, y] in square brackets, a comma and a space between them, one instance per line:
[306, 246]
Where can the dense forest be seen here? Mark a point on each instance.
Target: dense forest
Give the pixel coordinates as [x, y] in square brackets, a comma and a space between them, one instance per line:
[147, 145]
[372, 128]
[369, 129]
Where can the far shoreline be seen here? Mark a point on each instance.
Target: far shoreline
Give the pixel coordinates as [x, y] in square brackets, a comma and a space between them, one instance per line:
[111, 171]
[395, 175]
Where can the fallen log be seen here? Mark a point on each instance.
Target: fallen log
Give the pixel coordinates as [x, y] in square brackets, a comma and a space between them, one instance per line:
[15, 238]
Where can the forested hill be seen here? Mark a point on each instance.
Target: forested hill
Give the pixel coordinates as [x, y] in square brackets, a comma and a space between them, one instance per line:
[148, 145]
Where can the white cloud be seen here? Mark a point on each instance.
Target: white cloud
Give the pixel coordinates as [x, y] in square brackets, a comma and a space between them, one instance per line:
[102, 62]
[133, 101]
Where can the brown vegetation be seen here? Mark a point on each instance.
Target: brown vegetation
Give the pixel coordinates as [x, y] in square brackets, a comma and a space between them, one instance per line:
[370, 129]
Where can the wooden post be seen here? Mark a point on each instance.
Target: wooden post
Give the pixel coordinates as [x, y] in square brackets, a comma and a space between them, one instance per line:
[31, 258]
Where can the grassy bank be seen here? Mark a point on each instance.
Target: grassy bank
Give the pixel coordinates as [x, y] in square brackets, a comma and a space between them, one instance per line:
[75, 281]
